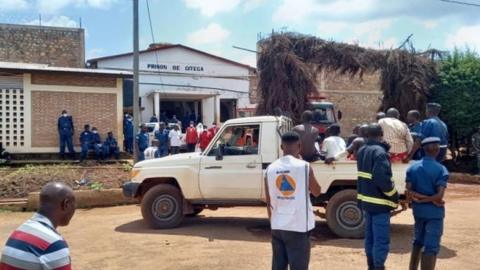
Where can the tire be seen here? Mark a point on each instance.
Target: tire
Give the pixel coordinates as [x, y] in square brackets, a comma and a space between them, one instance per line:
[344, 217]
[196, 211]
[162, 207]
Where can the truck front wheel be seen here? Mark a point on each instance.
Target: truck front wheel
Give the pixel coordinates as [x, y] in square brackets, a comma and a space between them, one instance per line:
[344, 217]
[162, 207]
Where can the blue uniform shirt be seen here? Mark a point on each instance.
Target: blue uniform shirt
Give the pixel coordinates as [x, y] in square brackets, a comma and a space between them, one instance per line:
[434, 127]
[162, 137]
[65, 124]
[110, 142]
[417, 128]
[95, 137]
[142, 140]
[425, 176]
[128, 129]
[85, 137]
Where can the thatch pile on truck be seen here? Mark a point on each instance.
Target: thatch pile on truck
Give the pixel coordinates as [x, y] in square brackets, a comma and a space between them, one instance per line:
[289, 62]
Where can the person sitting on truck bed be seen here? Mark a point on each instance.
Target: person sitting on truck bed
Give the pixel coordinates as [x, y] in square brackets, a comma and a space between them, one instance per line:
[397, 135]
[308, 137]
[357, 143]
[333, 144]
[289, 182]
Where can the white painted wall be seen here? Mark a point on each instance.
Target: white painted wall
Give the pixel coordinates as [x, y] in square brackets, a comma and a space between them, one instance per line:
[182, 81]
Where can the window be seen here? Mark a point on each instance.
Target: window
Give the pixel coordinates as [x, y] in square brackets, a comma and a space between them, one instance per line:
[238, 140]
[11, 114]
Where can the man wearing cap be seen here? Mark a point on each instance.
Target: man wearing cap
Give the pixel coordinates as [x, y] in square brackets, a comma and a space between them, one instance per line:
[434, 127]
[65, 132]
[377, 196]
[289, 182]
[426, 182]
[476, 147]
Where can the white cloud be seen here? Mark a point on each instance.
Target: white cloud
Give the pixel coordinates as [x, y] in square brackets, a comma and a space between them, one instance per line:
[213, 33]
[328, 28]
[430, 24]
[60, 21]
[53, 6]
[9, 5]
[465, 36]
[252, 4]
[211, 7]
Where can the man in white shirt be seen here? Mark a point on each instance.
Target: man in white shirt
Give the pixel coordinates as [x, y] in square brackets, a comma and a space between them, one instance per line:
[333, 145]
[289, 182]
[152, 151]
[175, 136]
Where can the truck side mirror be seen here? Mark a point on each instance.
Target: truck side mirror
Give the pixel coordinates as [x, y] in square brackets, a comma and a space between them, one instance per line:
[339, 115]
[219, 152]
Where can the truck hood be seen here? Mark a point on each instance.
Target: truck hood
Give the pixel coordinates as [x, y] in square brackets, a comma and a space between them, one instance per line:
[185, 158]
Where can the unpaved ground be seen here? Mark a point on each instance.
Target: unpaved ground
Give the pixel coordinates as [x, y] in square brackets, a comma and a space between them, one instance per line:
[238, 238]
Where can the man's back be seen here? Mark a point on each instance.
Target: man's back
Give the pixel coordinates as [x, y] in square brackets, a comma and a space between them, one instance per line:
[332, 146]
[36, 245]
[434, 127]
[397, 134]
[308, 136]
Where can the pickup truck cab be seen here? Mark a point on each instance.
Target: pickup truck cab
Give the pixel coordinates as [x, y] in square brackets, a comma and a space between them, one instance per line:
[230, 172]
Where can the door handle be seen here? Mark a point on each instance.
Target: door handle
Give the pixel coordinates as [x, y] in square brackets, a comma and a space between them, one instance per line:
[213, 167]
[251, 165]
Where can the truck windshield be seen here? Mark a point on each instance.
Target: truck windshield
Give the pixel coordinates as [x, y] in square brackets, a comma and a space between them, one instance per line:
[323, 115]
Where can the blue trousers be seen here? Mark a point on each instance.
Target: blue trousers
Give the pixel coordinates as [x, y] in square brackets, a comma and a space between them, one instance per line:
[66, 140]
[377, 237]
[163, 151]
[428, 233]
[108, 151]
[129, 144]
[86, 147]
[141, 154]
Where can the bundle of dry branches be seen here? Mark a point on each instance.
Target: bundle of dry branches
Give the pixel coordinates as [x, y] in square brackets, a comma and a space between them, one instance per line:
[289, 62]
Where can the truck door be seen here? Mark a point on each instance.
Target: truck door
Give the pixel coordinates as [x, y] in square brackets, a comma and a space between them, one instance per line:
[239, 174]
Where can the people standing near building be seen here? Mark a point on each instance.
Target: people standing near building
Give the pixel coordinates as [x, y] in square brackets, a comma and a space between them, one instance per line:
[213, 129]
[333, 144]
[434, 127]
[110, 147]
[162, 136]
[175, 136]
[152, 151]
[191, 137]
[308, 136]
[376, 195]
[96, 144]
[289, 181]
[426, 184]
[153, 119]
[397, 135]
[142, 141]
[36, 244]
[65, 132]
[476, 147]
[205, 138]
[128, 134]
[85, 141]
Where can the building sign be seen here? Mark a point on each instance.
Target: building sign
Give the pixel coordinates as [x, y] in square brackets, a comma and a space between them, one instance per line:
[175, 68]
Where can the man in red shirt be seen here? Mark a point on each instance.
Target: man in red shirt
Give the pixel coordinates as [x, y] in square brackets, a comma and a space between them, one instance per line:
[205, 138]
[214, 129]
[192, 137]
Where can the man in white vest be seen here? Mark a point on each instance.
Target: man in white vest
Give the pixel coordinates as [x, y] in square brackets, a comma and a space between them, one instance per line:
[289, 182]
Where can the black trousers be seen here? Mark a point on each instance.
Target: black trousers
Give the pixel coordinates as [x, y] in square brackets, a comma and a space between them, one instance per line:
[191, 147]
[290, 249]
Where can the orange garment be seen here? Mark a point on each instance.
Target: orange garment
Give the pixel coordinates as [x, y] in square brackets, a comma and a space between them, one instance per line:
[398, 157]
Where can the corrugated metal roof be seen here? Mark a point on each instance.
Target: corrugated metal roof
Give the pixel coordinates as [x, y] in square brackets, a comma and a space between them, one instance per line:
[44, 67]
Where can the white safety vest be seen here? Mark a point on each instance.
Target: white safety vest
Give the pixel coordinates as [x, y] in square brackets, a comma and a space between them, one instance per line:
[287, 180]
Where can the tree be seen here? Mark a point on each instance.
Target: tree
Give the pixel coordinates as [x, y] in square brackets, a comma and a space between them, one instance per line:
[458, 91]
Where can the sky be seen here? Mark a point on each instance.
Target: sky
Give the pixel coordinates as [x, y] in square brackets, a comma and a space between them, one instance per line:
[215, 26]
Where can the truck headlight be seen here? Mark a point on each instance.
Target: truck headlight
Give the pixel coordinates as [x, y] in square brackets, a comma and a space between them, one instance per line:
[134, 173]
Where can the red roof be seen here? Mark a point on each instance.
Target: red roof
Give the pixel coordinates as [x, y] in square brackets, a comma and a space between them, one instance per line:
[161, 47]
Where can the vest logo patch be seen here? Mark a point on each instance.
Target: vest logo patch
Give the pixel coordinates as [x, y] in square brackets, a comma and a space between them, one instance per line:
[286, 184]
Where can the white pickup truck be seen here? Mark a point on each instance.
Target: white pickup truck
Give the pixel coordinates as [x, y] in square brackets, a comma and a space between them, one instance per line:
[230, 173]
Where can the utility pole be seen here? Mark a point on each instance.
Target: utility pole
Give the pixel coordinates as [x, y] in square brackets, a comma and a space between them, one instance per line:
[136, 111]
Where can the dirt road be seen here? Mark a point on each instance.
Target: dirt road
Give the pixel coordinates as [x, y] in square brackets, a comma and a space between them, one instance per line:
[238, 238]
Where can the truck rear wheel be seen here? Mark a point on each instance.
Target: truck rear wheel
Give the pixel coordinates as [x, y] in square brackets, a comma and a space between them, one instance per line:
[344, 217]
[162, 207]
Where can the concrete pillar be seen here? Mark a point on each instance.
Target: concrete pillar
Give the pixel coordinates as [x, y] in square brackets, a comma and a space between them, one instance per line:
[156, 104]
[216, 109]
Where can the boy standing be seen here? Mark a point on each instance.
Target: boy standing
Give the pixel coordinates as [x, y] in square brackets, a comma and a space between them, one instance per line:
[289, 182]
[426, 183]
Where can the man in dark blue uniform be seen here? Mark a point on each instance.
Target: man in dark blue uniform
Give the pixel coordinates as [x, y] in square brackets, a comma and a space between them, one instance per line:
[413, 120]
[128, 134]
[153, 119]
[110, 146]
[96, 144]
[162, 136]
[142, 142]
[434, 127]
[377, 196]
[65, 132]
[85, 140]
[426, 183]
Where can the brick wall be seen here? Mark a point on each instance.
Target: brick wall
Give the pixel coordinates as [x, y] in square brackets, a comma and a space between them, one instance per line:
[56, 46]
[99, 110]
[51, 78]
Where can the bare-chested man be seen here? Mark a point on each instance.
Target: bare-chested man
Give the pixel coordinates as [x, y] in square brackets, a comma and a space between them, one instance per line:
[308, 136]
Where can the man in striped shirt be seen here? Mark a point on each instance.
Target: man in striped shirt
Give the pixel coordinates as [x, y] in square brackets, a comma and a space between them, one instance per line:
[397, 135]
[36, 244]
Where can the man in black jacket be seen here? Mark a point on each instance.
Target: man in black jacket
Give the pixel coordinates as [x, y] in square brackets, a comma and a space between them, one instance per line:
[377, 196]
